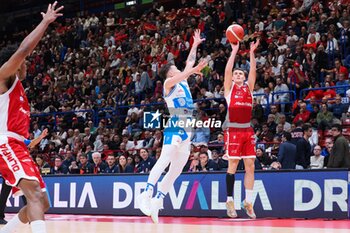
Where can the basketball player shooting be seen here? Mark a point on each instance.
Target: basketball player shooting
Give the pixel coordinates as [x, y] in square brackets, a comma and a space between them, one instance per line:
[16, 165]
[239, 135]
[177, 144]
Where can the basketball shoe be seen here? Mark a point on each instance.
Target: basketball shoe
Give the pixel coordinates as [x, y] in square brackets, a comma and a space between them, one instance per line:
[231, 211]
[144, 203]
[156, 205]
[248, 207]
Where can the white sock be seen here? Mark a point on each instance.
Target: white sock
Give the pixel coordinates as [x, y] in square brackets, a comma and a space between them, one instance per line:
[38, 226]
[149, 189]
[229, 198]
[249, 195]
[11, 225]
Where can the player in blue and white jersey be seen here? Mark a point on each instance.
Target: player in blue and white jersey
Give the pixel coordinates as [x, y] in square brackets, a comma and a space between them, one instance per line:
[176, 144]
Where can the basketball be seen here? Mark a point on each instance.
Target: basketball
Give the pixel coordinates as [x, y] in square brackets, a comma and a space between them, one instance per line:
[234, 33]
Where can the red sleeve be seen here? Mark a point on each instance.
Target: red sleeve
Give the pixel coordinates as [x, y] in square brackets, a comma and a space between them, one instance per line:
[309, 95]
[296, 118]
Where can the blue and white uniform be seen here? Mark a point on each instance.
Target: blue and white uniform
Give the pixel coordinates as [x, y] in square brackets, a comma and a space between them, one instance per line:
[180, 104]
[177, 140]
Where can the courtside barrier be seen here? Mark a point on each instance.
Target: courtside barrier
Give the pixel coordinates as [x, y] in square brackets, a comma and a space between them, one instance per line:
[279, 194]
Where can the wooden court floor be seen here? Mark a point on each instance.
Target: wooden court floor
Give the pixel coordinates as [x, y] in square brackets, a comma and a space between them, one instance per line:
[109, 224]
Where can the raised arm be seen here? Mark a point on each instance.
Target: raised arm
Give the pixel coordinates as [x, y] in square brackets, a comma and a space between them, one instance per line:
[22, 72]
[29, 43]
[191, 59]
[229, 68]
[169, 83]
[252, 71]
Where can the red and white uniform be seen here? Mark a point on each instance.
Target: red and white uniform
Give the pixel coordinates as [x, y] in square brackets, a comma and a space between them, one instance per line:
[15, 160]
[239, 135]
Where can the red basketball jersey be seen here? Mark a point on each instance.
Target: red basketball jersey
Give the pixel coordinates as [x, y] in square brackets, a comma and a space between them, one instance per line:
[15, 111]
[240, 104]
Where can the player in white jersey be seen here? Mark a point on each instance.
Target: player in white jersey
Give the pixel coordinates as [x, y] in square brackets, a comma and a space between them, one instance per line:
[176, 145]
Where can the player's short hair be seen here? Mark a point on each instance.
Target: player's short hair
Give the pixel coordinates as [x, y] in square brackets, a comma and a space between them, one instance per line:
[6, 53]
[163, 72]
[240, 69]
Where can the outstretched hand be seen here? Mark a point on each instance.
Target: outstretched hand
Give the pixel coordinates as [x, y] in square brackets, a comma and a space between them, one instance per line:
[44, 133]
[254, 45]
[52, 13]
[200, 66]
[197, 37]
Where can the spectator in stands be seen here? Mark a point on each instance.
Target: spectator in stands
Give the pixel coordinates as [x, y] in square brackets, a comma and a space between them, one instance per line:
[36, 130]
[326, 151]
[148, 141]
[328, 93]
[271, 123]
[158, 139]
[286, 125]
[123, 167]
[200, 135]
[321, 63]
[68, 158]
[192, 163]
[324, 118]
[274, 111]
[43, 166]
[126, 144]
[114, 144]
[218, 144]
[267, 98]
[332, 48]
[111, 166]
[222, 164]
[340, 69]
[287, 152]
[205, 164]
[133, 109]
[316, 161]
[303, 115]
[338, 108]
[263, 160]
[274, 148]
[158, 153]
[310, 106]
[74, 168]
[265, 135]
[98, 166]
[89, 136]
[283, 97]
[205, 149]
[340, 153]
[341, 82]
[59, 167]
[279, 131]
[256, 126]
[147, 163]
[258, 111]
[84, 166]
[303, 148]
